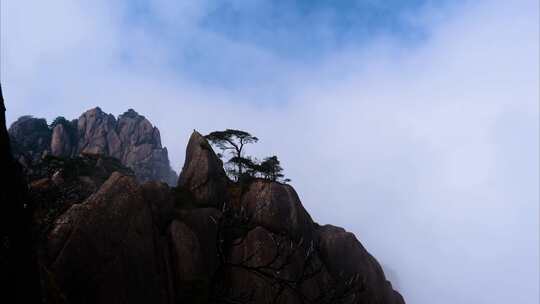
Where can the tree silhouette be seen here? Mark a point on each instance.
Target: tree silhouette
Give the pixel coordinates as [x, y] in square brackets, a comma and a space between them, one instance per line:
[271, 169]
[233, 142]
[239, 166]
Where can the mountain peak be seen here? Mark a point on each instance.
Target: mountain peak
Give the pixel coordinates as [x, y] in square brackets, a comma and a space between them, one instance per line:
[130, 113]
[131, 138]
[203, 173]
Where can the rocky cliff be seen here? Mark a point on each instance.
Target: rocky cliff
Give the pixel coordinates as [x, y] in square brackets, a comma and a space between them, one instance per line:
[103, 234]
[131, 138]
[208, 240]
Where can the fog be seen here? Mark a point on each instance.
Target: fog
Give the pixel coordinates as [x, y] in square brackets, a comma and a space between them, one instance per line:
[428, 152]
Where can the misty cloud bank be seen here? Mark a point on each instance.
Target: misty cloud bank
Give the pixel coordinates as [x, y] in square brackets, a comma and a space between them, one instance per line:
[428, 153]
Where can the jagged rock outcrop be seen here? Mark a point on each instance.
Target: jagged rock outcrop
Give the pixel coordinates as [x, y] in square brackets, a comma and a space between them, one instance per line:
[97, 133]
[30, 139]
[142, 150]
[131, 138]
[203, 175]
[61, 142]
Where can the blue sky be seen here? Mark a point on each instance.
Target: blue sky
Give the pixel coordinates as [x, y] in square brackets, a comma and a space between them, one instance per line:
[308, 29]
[300, 32]
[292, 27]
[413, 124]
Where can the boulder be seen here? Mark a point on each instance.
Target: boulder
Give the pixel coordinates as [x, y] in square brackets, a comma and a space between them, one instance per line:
[275, 268]
[203, 175]
[161, 200]
[345, 257]
[190, 277]
[248, 274]
[204, 223]
[104, 250]
[276, 207]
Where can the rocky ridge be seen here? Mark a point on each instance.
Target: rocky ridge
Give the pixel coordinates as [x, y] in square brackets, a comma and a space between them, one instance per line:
[208, 240]
[106, 237]
[131, 138]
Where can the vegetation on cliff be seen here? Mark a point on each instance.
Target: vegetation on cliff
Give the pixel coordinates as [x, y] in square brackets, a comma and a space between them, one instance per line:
[241, 167]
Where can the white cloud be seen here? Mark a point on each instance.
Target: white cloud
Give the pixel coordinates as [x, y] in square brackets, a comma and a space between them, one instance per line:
[429, 154]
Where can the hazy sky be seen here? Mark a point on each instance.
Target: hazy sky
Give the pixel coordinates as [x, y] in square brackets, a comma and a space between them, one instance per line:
[413, 124]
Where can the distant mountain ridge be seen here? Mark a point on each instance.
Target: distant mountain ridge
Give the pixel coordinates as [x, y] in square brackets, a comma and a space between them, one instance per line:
[131, 138]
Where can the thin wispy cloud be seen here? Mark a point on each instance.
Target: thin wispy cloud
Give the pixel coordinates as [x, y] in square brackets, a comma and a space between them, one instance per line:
[424, 143]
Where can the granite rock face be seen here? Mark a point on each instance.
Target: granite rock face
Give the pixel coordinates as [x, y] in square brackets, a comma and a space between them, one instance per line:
[97, 133]
[203, 175]
[105, 249]
[344, 255]
[131, 138]
[61, 142]
[58, 183]
[276, 207]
